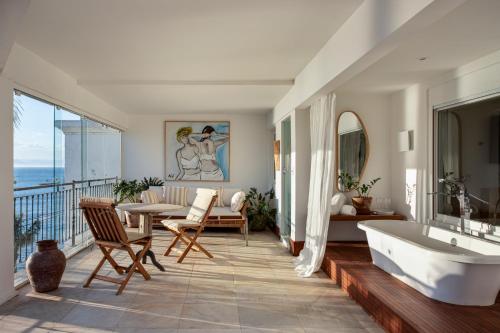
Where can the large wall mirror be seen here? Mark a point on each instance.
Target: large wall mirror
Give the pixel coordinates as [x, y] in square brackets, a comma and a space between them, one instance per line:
[352, 147]
[467, 149]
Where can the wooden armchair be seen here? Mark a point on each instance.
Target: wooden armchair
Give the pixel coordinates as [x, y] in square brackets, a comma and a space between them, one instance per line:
[110, 235]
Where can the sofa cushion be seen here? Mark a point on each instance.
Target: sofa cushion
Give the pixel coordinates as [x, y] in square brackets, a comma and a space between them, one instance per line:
[223, 211]
[216, 211]
[227, 195]
[237, 201]
[175, 195]
[180, 212]
[150, 197]
[220, 192]
[190, 195]
[159, 192]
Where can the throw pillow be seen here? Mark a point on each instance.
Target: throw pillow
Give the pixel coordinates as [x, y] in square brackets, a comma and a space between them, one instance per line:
[237, 201]
[175, 195]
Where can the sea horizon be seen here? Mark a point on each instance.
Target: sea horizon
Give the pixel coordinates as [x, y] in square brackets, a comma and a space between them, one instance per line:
[27, 176]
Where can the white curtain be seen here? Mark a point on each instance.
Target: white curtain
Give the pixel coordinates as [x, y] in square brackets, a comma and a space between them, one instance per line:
[322, 114]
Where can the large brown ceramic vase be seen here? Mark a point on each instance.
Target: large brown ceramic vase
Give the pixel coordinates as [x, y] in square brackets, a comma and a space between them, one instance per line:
[46, 266]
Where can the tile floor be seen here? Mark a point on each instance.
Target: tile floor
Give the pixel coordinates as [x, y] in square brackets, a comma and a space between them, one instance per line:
[243, 289]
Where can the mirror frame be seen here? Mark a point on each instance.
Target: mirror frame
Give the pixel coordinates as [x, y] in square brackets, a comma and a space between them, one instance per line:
[337, 148]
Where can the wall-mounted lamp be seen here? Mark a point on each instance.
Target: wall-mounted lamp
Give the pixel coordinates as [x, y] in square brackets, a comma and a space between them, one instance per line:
[405, 141]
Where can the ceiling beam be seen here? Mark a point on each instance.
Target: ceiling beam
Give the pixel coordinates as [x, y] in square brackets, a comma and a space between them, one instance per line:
[269, 82]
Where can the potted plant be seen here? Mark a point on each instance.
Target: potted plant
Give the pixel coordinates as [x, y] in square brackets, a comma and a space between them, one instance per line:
[151, 181]
[259, 212]
[129, 191]
[363, 200]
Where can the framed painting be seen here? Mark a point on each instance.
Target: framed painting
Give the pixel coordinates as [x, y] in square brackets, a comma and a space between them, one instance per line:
[197, 151]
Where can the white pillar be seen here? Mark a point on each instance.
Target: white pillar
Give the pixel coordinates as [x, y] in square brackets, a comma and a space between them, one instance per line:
[6, 191]
[301, 162]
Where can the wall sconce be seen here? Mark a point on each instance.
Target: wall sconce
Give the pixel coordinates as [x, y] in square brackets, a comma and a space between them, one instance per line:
[405, 141]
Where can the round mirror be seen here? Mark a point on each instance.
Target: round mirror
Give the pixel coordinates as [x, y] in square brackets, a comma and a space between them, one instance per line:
[352, 150]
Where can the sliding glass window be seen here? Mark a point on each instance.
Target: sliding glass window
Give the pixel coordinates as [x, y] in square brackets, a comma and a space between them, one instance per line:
[59, 156]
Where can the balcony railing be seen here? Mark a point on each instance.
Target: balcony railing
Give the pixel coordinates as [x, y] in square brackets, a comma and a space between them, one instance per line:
[51, 211]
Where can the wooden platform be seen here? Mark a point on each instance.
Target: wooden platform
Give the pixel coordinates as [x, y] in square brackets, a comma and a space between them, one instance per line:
[396, 306]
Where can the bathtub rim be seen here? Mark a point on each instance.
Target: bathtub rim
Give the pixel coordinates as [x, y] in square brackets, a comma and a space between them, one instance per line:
[368, 225]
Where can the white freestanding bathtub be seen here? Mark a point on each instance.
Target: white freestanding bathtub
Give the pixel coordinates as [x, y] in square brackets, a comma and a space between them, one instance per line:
[441, 264]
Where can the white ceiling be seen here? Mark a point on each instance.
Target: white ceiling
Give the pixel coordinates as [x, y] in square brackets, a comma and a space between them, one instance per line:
[132, 53]
[468, 33]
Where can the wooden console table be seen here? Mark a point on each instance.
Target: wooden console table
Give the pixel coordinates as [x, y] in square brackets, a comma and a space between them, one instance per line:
[357, 218]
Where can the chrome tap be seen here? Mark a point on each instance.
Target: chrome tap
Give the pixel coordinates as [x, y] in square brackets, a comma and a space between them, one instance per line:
[463, 199]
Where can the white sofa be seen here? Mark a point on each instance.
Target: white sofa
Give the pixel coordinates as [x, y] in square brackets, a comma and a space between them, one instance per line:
[219, 216]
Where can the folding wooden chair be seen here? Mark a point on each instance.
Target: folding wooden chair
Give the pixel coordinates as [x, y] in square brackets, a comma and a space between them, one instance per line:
[110, 235]
[195, 220]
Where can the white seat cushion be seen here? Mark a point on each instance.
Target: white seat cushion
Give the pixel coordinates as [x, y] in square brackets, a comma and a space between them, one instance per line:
[198, 211]
[179, 212]
[216, 211]
[223, 211]
[179, 224]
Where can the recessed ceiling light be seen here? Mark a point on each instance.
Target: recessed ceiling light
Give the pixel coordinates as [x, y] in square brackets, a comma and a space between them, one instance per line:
[422, 58]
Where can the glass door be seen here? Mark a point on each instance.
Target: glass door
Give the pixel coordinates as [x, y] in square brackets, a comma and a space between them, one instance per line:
[286, 183]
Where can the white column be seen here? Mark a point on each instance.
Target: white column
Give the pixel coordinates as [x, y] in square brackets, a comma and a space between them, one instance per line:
[301, 163]
[6, 191]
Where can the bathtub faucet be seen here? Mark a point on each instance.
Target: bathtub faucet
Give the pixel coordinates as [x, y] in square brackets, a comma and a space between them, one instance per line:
[463, 199]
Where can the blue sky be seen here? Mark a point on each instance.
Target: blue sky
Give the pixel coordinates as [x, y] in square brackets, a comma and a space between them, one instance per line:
[35, 139]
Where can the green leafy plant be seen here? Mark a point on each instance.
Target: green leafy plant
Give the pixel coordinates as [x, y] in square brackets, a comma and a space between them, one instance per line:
[128, 190]
[347, 182]
[259, 212]
[365, 189]
[151, 181]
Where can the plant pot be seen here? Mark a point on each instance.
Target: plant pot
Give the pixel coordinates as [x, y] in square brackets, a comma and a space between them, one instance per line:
[258, 223]
[46, 266]
[362, 205]
[132, 220]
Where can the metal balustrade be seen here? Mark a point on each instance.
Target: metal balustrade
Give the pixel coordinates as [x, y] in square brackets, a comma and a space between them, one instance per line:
[51, 211]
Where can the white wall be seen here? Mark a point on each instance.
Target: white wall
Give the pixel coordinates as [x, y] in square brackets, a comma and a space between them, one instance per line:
[33, 75]
[6, 192]
[412, 109]
[373, 110]
[409, 112]
[251, 163]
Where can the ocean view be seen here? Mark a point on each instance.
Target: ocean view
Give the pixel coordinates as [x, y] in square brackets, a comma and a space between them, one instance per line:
[33, 176]
[50, 212]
